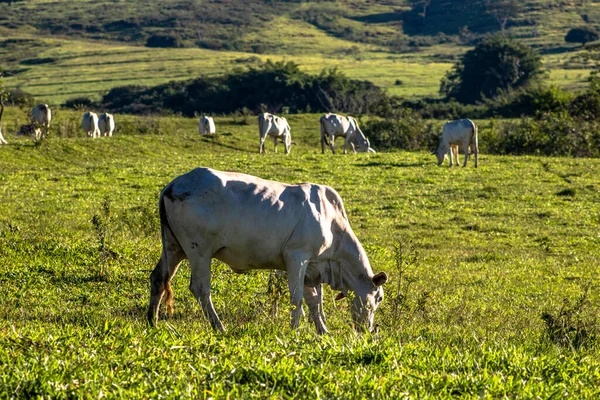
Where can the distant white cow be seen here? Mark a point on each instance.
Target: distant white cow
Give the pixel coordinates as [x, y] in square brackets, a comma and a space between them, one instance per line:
[277, 128]
[106, 124]
[40, 119]
[89, 124]
[462, 132]
[333, 125]
[206, 126]
[2, 140]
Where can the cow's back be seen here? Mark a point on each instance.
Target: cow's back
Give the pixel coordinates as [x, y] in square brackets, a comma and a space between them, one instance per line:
[245, 221]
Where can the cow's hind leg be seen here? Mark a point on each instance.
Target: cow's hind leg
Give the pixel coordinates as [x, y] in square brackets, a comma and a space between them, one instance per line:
[200, 287]
[314, 300]
[466, 150]
[275, 144]
[160, 281]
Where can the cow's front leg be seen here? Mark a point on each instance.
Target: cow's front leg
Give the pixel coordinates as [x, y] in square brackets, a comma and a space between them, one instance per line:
[261, 145]
[314, 300]
[200, 287]
[455, 152]
[296, 263]
[275, 144]
[331, 143]
[450, 152]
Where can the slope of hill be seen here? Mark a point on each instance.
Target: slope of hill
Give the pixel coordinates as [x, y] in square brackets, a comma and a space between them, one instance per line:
[63, 49]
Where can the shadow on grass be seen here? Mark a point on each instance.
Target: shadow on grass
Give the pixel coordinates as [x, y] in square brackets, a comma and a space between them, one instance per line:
[227, 146]
[382, 164]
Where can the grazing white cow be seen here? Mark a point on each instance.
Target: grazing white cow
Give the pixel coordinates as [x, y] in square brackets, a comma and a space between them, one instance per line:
[2, 140]
[106, 124]
[40, 119]
[252, 223]
[462, 132]
[277, 128]
[206, 126]
[89, 124]
[333, 125]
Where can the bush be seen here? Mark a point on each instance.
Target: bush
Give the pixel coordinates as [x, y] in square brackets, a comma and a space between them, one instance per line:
[530, 101]
[164, 40]
[550, 134]
[581, 35]
[269, 86]
[587, 105]
[403, 129]
[20, 98]
[78, 103]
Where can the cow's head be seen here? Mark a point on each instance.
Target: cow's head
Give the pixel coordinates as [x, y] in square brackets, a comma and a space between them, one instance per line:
[366, 301]
[362, 145]
[440, 152]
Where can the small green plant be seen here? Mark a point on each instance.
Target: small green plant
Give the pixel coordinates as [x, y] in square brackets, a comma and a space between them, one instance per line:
[102, 223]
[276, 286]
[574, 325]
[405, 259]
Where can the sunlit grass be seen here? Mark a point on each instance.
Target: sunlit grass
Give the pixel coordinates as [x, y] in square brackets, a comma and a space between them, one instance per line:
[496, 247]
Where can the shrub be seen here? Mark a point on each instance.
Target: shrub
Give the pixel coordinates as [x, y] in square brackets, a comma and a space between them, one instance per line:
[270, 86]
[404, 129]
[20, 98]
[550, 134]
[78, 103]
[530, 101]
[164, 40]
[574, 325]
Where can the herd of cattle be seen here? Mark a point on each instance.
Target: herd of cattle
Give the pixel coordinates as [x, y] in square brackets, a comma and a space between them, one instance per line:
[462, 132]
[252, 223]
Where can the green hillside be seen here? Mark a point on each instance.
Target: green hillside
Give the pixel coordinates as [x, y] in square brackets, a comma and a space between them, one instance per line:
[63, 49]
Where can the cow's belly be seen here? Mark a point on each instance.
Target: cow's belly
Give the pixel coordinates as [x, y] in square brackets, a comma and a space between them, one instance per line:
[242, 260]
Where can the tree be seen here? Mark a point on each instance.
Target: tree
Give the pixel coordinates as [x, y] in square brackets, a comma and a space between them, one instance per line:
[495, 65]
[581, 35]
[502, 10]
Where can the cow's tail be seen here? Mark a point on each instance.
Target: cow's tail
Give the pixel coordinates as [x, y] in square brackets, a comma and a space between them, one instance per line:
[323, 132]
[170, 244]
[475, 144]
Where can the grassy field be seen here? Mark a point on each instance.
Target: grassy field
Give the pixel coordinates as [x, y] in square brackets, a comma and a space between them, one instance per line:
[475, 256]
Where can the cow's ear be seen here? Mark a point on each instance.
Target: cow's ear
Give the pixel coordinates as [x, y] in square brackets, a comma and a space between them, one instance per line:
[340, 296]
[379, 279]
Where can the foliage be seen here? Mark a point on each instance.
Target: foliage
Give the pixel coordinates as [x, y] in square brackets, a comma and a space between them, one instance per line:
[529, 101]
[587, 104]
[581, 35]
[497, 64]
[451, 109]
[575, 324]
[164, 40]
[402, 129]
[267, 87]
[551, 134]
[80, 103]
[429, 17]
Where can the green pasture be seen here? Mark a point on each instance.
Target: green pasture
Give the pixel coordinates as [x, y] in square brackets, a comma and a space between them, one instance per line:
[475, 259]
[90, 69]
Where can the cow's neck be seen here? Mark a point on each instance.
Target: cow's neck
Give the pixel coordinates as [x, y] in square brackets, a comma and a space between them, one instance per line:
[353, 263]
